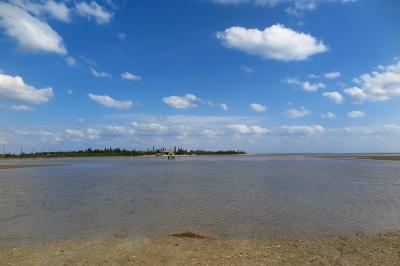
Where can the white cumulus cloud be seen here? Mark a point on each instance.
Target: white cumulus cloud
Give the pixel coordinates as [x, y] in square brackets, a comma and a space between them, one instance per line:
[329, 115]
[296, 113]
[305, 85]
[300, 130]
[109, 102]
[94, 10]
[355, 114]
[256, 107]
[334, 96]
[275, 42]
[130, 76]
[377, 86]
[31, 33]
[100, 74]
[21, 108]
[181, 102]
[74, 134]
[58, 10]
[332, 75]
[246, 129]
[223, 106]
[15, 88]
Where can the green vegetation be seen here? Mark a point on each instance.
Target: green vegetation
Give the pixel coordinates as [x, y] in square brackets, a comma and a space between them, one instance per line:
[118, 152]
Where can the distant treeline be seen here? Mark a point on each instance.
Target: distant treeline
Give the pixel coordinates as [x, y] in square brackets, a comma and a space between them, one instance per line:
[118, 152]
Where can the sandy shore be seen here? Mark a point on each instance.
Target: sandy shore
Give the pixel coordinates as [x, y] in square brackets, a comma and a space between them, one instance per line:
[378, 157]
[14, 166]
[172, 250]
[381, 158]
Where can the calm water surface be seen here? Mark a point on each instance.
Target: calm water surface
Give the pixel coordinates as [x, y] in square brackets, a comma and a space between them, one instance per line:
[229, 197]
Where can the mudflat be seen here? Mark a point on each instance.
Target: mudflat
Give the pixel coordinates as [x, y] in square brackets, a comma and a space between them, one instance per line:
[381, 158]
[193, 249]
[15, 166]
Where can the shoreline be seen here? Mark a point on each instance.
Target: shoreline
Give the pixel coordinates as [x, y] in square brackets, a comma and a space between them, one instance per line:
[372, 156]
[192, 249]
[118, 156]
[19, 166]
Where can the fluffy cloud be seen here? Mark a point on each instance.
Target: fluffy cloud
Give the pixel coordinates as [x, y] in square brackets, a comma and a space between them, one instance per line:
[18, 108]
[206, 132]
[256, 107]
[41, 135]
[99, 74]
[74, 134]
[245, 129]
[332, 75]
[305, 85]
[21, 108]
[15, 88]
[58, 10]
[392, 128]
[223, 106]
[380, 85]
[150, 127]
[296, 113]
[359, 130]
[130, 76]
[275, 42]
[300, 130]
[93, 133]
[329, 115]
[109, 102]
[334, 96]
[355, 114]
[122, 131]
[94, 10]
[32, 34]
[181, 102]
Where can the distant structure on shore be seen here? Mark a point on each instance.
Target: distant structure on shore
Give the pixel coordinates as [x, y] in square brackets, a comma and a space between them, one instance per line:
[170, 153]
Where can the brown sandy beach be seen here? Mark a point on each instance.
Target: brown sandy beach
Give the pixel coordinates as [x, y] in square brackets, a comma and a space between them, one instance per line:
[381, 249]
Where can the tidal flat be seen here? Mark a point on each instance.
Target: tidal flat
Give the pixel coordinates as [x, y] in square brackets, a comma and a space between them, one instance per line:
[211, 210]
[382, 249]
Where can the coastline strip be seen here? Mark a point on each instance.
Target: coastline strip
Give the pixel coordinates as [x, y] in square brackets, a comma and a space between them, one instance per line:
[381, 249]
[15, 166]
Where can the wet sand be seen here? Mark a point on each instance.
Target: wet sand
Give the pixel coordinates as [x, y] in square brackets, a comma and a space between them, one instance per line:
[15, 166]
[192, 249]
[381, 158]
[378, 157]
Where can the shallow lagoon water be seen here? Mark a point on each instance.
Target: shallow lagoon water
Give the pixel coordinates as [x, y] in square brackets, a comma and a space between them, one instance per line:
[228, 196]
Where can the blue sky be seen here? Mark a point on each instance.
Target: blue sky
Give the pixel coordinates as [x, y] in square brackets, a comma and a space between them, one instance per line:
[258, 75]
